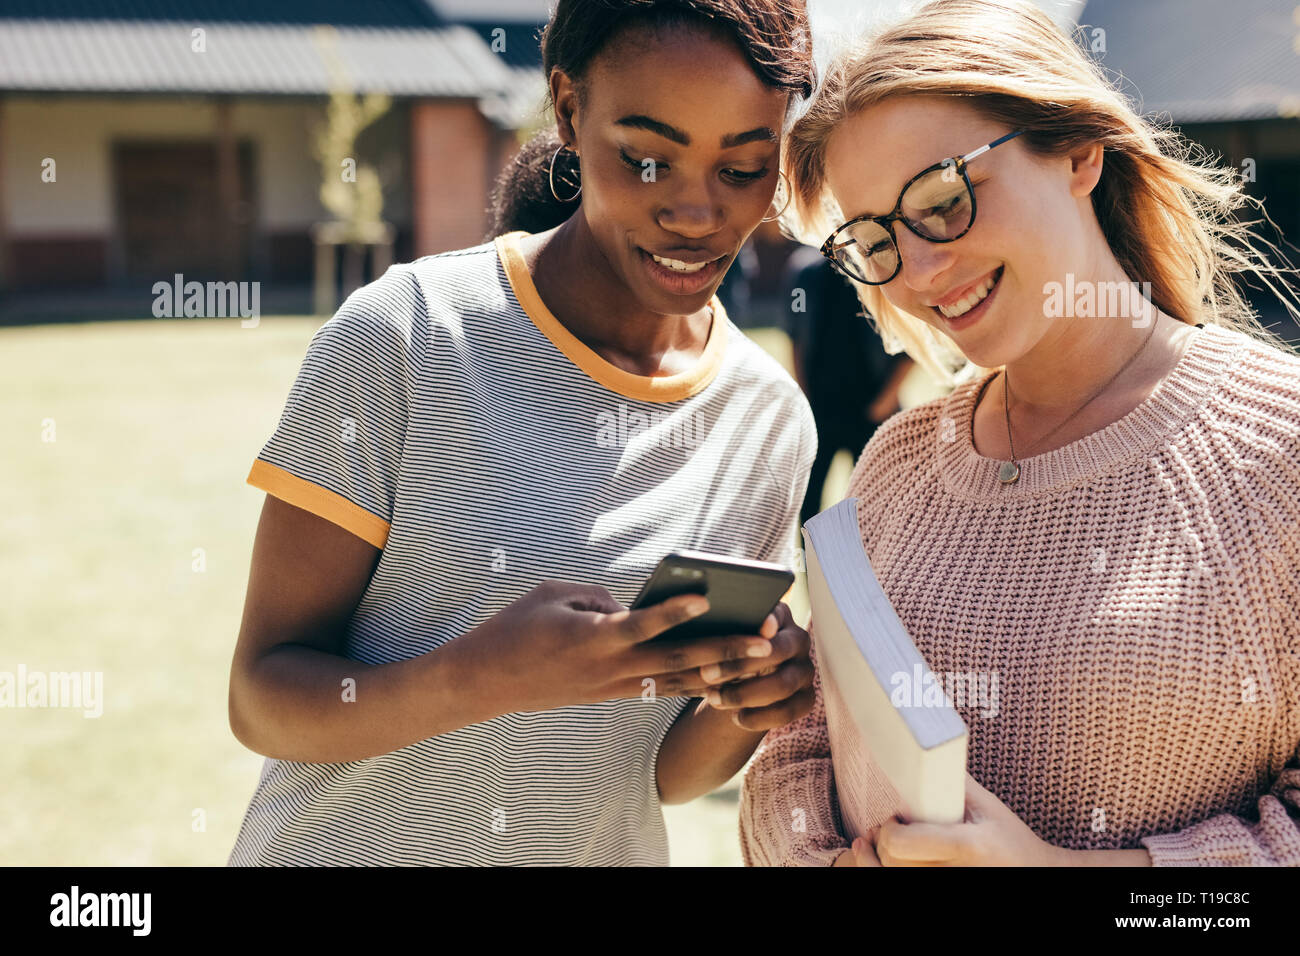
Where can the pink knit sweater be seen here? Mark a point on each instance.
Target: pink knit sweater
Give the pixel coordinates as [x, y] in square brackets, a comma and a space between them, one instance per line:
[1136, 595]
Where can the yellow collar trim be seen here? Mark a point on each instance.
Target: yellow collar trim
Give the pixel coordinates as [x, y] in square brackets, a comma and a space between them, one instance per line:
[646, 388]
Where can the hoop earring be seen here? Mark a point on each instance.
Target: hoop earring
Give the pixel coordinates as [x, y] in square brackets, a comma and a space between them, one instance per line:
[786, 181]
[552, 177]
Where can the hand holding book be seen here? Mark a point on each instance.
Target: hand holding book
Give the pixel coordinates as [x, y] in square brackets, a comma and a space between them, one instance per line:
[990, 835]
[899, 759]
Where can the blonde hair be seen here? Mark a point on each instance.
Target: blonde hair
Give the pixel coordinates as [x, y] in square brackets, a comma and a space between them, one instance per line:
[1167, 209]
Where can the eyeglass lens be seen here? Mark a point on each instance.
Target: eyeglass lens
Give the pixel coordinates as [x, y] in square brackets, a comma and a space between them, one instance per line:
[936, 206]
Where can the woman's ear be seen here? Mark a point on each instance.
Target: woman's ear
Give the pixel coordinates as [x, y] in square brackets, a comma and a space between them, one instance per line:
[1085, 169]
[564, 94]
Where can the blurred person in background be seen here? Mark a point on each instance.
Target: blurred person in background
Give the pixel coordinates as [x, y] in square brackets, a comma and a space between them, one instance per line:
[736, 291]
[840, 362]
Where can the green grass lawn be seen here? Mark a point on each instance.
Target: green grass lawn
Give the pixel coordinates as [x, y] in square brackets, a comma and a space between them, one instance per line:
[126, 547]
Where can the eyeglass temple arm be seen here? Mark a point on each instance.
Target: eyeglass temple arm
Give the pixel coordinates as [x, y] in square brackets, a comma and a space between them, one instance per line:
[985, 148]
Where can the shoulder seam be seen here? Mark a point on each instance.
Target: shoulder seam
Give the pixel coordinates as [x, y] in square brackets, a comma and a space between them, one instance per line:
[425, 324]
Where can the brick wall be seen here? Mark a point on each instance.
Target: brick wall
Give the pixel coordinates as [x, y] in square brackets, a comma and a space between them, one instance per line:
[455, 154]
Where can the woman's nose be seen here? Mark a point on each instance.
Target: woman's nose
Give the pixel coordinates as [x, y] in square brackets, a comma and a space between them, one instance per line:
[922, 261]
[693, 212]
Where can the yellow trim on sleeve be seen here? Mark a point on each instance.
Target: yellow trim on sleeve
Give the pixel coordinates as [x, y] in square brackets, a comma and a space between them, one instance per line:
[646, 388]
[322, 502]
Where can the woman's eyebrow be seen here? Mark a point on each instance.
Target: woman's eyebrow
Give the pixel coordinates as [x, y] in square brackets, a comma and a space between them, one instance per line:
[758, 134]
[872, 215]
[731, 140]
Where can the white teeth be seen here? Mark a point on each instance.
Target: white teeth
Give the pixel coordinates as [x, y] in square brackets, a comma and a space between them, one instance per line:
[973, 299]
[677, 265]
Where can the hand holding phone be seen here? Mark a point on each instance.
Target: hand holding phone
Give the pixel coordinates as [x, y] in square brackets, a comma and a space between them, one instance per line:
[741, 593]
[758, 693]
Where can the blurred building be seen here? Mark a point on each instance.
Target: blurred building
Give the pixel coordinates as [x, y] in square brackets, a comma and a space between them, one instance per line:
[142, 138]
[1228, 76]
[512, 29]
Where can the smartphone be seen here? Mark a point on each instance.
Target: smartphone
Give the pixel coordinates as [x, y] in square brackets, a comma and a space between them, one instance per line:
[741, 593]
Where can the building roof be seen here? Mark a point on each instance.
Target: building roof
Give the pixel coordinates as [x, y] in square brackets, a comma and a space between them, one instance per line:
[373, 13]
[1202, 60]
[502, 11]
[518, 44]
[524, 106]
[401, 47]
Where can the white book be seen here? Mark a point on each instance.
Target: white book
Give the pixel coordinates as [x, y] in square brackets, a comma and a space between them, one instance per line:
[894, 750]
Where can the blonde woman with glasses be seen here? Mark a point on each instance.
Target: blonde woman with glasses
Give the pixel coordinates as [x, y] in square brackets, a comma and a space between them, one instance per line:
[1104, 514]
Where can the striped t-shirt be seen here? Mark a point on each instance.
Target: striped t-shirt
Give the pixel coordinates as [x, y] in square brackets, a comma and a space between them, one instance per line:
[446, 417]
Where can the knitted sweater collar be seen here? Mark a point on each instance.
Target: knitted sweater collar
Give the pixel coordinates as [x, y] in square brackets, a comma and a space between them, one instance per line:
[966, 473]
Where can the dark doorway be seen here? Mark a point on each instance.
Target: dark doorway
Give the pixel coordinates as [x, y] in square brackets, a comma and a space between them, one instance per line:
[170, 214]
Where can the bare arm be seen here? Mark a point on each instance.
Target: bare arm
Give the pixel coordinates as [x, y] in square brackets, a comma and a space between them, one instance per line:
[701, 751]
[287, 677]
[705, 748]
[559, 644]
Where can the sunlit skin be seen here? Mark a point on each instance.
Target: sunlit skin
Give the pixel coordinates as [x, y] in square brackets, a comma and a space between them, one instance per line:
[1034, 218]
[646, 92]
[588, 270]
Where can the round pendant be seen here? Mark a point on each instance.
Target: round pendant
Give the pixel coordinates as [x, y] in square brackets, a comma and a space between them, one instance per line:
[1008, 472]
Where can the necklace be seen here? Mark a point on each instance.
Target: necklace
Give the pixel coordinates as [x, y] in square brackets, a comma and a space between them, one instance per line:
[1009, 471]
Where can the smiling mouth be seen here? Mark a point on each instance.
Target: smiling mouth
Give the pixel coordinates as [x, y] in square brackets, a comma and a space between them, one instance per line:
[680, 277]
[973, 298]
[682, 266]
[677, 265]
